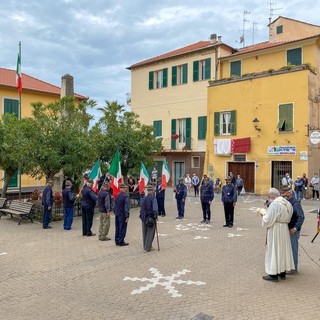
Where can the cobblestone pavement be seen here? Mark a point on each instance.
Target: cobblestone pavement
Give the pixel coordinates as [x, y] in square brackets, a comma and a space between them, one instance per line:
[200, 272]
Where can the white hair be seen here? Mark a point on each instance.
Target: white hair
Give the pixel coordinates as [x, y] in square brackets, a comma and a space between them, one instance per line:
[274, 192]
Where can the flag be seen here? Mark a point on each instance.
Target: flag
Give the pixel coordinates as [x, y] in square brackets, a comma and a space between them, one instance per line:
[144, 178]
[18, 74]
[115, 172]
[95, 175]
[165, 175]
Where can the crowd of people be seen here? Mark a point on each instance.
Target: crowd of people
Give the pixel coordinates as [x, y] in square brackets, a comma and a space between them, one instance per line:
[283, 216]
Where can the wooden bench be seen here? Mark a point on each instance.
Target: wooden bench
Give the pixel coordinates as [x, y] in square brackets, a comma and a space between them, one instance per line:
[2, 202]
[19, 208]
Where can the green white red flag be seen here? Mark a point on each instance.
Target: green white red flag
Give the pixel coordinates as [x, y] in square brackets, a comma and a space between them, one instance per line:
[95, 175]
[18, 74]
[115, 172]
[144, 178]
[165, 175]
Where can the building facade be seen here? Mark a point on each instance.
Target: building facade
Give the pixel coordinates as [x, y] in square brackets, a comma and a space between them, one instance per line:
[169, 92]
[265, 106]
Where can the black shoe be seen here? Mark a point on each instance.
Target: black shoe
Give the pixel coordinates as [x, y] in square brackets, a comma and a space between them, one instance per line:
[163, 215]
[225, 225]
[282, 275]
[230, 225]
[91, 235]
[123, 244]
[105, 239]
[270, 278]
[203, 221]
[48, 227]
[117, 243]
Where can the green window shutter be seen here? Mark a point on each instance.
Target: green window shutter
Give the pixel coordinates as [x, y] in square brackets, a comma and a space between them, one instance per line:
[235, 68]
[294, 57]
[165, 78]
[285, 117]
[207, 71]
[13, 182]
[157, 128]
[195, 71]
[233, 127]
[188, 133]
[151, 78]
[202, 127]
[173, 131]
[11, 106]
[174, 76]
[279, 29]
[185, 73]
[216, 129]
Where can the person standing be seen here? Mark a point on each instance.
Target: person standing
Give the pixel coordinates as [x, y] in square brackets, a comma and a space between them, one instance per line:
[104, 204]
[195, 183]
[122, 213]
[68, 205]
[181, 193]
[47, 202]
[286, 181]
[298, 186]
[314, 183]
[233, 178]
[148, 216]
[217, 185]
[278, 257]
[131, 184]
[229, 199]
[160, 196]
[239, 184]
[89, 199]
[305, 186]
[294, 225]
[188, 182]
[206, 197]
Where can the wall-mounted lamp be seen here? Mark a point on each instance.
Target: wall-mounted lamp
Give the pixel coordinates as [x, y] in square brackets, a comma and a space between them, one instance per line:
[255, 123]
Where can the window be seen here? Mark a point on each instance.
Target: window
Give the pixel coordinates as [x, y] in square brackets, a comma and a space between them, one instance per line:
[157, 128]
[235, 68]
[279, 29]
[11, 106]
[202, 70]
[179, 74]
[294, 57]
[182, 129]
[285, 117]
[202, 127]
[225, 123]
[160, 78]
[195, 162]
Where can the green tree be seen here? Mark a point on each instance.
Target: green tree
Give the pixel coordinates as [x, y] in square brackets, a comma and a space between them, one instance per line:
[120, 128]
[61, 139]
[15, 146]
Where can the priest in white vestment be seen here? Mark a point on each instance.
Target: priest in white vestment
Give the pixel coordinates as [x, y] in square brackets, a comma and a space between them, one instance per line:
[279, 253]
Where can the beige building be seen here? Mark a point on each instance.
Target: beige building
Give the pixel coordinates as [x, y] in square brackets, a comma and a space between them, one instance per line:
[264, 111]
[170, 92]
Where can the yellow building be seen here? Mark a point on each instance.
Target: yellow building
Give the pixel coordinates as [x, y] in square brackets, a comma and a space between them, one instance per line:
[264, 112]
[170, 92]
[33, 90]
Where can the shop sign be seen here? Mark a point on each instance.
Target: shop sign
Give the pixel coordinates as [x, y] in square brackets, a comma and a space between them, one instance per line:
[315, 137]
[281, 150]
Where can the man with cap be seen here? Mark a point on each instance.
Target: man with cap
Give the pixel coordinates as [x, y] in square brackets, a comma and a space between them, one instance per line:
[68, 205]
[47, 202]
[160, 195]
[89, 199]
[148, 216]
[294, 225]
[104, 204]
[229, 199]
[122, 213]
[181, 193]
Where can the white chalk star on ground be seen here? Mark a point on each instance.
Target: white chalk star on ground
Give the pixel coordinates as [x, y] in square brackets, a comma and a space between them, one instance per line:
[231, 235]
[194, 226]
[3, 253]
[199, 237]
[164, 281]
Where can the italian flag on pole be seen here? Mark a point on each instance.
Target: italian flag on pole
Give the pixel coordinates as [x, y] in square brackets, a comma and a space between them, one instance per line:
[18, 74]
[144, 178]
[115, 172]
[95, 175]
[165, 175]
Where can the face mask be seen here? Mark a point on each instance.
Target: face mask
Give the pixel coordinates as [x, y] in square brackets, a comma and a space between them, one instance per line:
[285, 197]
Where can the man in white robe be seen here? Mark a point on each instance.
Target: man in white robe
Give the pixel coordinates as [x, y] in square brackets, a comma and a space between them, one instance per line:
[279, 253]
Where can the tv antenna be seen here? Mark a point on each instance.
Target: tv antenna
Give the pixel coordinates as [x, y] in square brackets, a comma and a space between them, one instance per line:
[244, 20]
[272, 9]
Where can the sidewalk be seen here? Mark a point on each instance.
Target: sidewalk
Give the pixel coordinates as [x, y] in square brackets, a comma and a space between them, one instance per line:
[200, 272]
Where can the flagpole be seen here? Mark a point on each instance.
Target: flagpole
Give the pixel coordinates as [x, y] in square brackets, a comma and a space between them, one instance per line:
[19, 91]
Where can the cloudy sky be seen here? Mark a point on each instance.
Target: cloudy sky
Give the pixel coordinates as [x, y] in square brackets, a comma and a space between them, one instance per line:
[95, 41]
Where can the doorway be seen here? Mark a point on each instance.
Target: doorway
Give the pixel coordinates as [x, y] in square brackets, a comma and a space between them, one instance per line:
[179, 171]
[246, 171]
[278, 171]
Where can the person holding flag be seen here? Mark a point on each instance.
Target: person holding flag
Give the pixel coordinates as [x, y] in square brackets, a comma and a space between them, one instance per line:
[115, 172]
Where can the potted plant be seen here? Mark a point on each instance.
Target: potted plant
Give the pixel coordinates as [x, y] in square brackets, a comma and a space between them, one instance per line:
[57, 197]
[35, 195]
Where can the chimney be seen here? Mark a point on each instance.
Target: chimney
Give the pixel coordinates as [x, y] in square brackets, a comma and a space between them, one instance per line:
[67, 88]
[213, 38]
[219, 39]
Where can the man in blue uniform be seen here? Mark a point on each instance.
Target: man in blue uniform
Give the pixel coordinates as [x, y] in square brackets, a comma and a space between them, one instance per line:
[181, 193]
[160, 195]
[148, 215]
[206, 197]
[229, 199]
[68, 205]
[122, 213]
[47, 202]
[89, 199]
